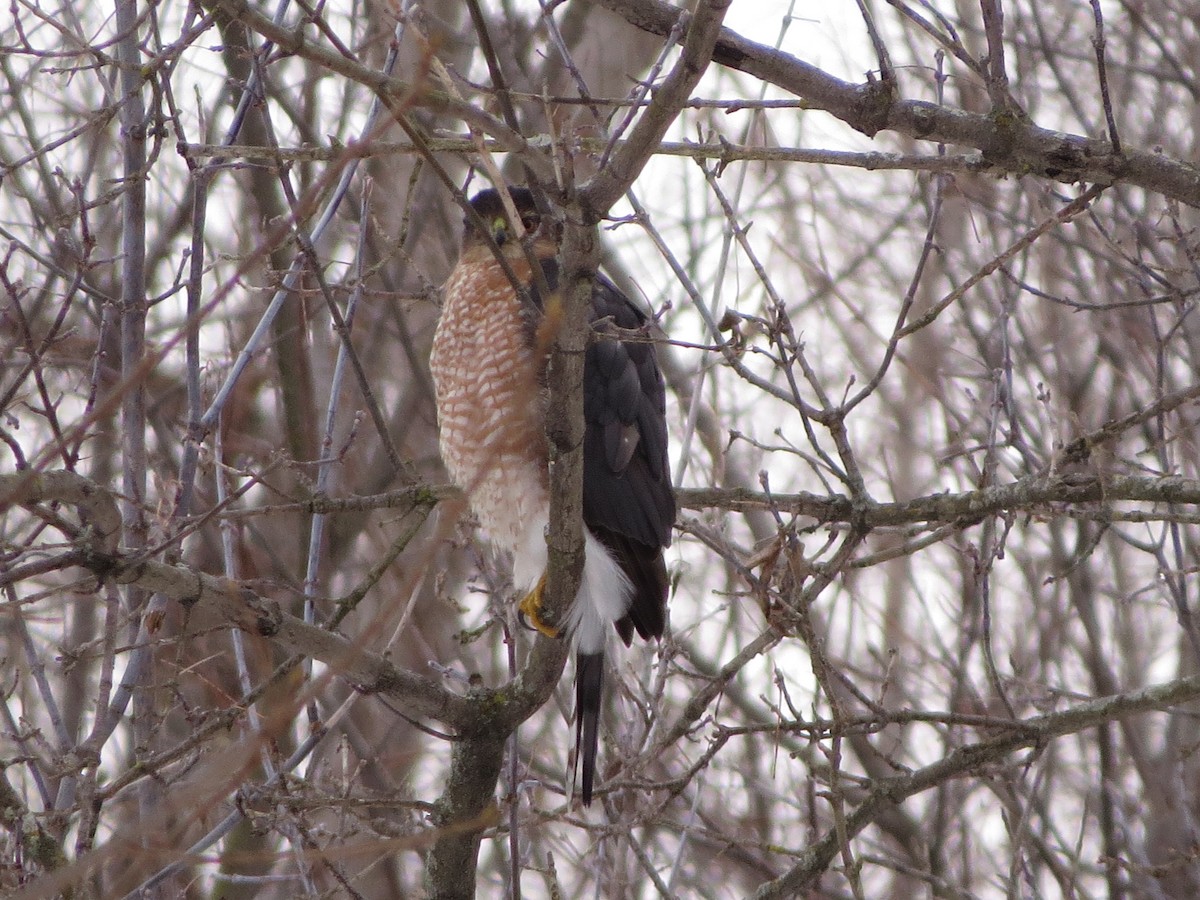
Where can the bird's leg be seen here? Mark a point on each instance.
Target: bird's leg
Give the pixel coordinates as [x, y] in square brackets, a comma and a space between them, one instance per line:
[531, 608]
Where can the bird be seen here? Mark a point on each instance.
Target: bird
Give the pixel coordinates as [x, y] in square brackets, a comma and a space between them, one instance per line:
[489, 368]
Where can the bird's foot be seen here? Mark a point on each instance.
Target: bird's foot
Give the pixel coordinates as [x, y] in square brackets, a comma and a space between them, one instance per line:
[530, 609]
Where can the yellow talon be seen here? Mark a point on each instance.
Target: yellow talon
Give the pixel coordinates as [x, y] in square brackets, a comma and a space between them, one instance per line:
[531, 607]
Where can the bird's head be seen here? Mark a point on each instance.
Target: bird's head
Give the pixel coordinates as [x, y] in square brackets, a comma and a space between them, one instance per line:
[489, 206]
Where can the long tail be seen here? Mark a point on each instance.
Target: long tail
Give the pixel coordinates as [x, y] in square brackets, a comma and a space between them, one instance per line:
[589, 690]
[604, 598]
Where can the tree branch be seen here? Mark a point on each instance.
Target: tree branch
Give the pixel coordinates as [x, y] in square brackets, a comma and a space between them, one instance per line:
[222, 600]
[1024, 495]
[614, 179]
[972, 758]
[1007, 141]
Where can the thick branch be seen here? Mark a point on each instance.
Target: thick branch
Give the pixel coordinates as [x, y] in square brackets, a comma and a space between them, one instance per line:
[724, 152]
[1007, 141]
[484, 719]
[1025, 495]
[564, 418]
[263, 616]
[297, 43]
[222, 600]
[464, 810]
[96, 506]
[614, 179]
[889, 793]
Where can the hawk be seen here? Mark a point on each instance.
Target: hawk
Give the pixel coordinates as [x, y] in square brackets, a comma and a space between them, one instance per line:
[490, 353]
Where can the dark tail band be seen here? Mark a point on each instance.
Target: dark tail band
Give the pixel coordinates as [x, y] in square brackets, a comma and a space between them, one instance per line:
[589, 690]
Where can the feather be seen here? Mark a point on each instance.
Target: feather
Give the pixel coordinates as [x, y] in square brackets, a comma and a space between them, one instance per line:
[589, 689]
